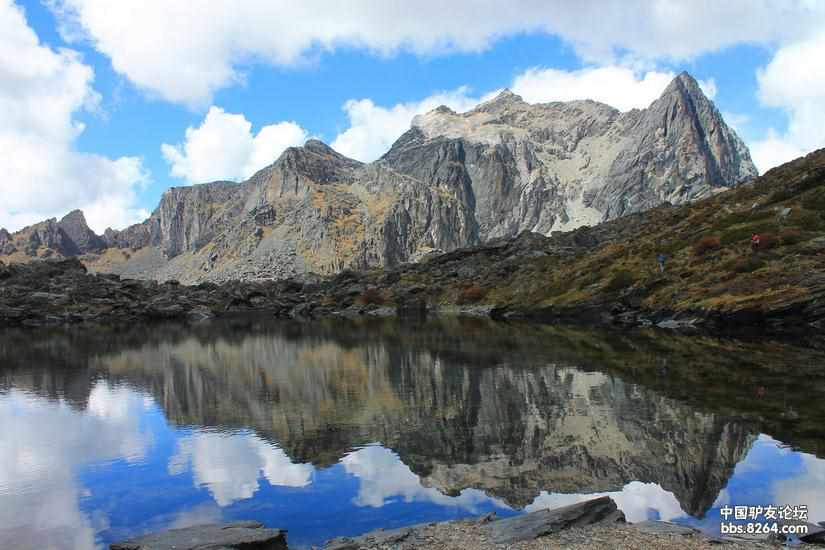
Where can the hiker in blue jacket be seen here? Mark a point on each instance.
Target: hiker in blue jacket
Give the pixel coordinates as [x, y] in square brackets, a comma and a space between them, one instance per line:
[661, 259]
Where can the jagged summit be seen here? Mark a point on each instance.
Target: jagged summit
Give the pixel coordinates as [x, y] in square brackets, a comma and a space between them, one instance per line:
[684, 82]
[318, 146]
[444, 109]
[315, 160]
[314, 148]
[505, 99]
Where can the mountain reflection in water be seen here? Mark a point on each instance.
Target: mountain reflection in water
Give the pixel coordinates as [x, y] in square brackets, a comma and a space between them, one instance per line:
[336, 428]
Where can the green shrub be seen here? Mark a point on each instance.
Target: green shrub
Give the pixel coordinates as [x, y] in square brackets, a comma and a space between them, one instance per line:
[744, 216]
[706, 244]
[671, 247]
[781, 195]
[815, 200]
[810, 182]
[805, 219]
[792, 190]
[732, 236]
[621, 279]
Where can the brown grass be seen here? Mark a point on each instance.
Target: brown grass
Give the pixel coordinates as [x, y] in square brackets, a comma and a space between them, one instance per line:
[791, 236]
[707, 244]
[373, 296]
[471, 295]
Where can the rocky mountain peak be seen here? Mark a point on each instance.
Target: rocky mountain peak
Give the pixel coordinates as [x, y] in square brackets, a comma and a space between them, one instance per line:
[453, 180]
[74, 226]
[315, 150]
[319, 147]
[315, 160]
[443, 109]
[669, 138]
[75, 217]
[684, 83]
[504, 100]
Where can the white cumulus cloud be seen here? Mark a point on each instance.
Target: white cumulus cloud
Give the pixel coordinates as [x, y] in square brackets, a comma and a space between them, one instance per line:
[639, 501]
[41, 92]
[618, 86]
[384, 478]
[45, 444]
[794, 82]
[224, 147]
[185, 51]
[231, 465]
[374, 128]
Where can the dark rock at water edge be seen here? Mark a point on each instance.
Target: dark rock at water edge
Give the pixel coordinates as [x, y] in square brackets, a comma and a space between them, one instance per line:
[545, 522]
[241, 535]
[502, 531]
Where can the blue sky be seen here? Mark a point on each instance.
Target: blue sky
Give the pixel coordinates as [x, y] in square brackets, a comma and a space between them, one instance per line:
[100, 95]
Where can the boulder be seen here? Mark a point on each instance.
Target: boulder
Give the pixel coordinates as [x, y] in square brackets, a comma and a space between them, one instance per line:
[379, 538]
[545, 522]
[218, 536]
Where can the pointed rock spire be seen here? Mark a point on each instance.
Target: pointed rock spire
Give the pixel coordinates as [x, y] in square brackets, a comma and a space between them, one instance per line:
[685, 84]
[82, 238]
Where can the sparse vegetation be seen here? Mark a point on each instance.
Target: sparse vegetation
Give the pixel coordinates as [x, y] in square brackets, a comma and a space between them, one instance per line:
[736, 235]
[814, 200]
[620, 280]
[806, 219]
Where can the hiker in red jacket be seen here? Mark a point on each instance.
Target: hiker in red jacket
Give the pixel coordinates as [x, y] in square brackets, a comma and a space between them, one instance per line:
[755, 240]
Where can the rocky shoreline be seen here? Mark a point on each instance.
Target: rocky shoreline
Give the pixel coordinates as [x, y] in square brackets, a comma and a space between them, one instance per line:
[58, 293]
[592, 524]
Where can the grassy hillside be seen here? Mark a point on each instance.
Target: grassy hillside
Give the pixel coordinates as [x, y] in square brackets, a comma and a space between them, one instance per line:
[710, 266]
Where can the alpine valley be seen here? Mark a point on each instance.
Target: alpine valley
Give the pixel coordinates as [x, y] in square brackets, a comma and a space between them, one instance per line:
[452, 181]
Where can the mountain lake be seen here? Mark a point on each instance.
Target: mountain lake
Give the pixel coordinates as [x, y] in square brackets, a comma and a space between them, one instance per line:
[333, 428]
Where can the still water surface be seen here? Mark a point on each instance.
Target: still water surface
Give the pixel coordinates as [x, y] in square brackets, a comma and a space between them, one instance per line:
[337, 428]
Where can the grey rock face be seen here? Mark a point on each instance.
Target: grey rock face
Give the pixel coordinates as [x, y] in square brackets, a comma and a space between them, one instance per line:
[679, 149]
[80, 238]
[6, 246]
[557, 166]
[68, 237]
[451, 181]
